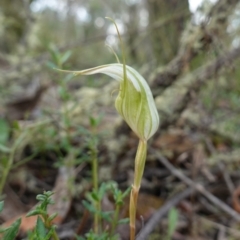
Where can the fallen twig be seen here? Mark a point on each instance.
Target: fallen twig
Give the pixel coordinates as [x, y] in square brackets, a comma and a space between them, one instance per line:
[204, 34]
[151, 224]
[198, 187]
[170, 107]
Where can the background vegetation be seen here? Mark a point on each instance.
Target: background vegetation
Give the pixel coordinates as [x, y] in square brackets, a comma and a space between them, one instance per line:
[53, 125]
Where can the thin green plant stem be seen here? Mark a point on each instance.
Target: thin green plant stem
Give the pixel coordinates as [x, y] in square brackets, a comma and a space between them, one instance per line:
[95, 185]
[115, 220]
[48, 225]
[139, 168]
[55, 236]
[10, 161]
[65, 113]
[25, 160]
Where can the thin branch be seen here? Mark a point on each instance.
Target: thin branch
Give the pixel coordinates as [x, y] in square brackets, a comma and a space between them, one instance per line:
[203, 35]
[198, 187]
[175, 98]
[151, 224]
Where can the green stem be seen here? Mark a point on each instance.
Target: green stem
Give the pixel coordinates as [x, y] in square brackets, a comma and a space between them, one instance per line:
[48, 225]
[25, 160]
[115, 220]
[6, 171]
[95, 185]
[139, 168]
[55, 236]
[10, 161]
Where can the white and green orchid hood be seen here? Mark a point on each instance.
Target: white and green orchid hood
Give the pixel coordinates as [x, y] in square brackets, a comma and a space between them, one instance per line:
[134, 102]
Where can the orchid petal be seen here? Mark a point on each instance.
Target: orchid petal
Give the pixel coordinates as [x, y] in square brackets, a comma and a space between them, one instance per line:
[134, 102]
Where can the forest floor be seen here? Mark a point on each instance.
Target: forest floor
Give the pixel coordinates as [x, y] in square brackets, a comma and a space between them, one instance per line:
[190, 187]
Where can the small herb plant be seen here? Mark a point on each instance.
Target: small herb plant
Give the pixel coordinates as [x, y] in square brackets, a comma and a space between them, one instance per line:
[110, 220]
[44, 229]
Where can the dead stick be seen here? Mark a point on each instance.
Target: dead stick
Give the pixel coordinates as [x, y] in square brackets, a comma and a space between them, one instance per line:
[151, 224]
[218, 203]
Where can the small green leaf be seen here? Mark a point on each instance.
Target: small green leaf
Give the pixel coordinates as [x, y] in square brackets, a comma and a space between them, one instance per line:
[55, 54]
[65, 56]
[52, 216]
[40, 228]
[2, 230]
[51, 65]
[93, 121]
[4, 131]
[79, 238]
[106, 215]
[172, 221]
[63, 93]
[12, 231]
[102, 190]
[40, 197]
[123, 221]
[50, 233]
[35, 212]
[127, 191]
[88, 206]
[15, 125]
[95, 196]
[4, 149]
[1, 206]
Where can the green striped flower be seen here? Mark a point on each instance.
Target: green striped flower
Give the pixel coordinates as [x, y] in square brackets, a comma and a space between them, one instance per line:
[134, 102]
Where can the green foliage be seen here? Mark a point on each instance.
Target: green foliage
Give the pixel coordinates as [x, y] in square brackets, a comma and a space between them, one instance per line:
[4, 131]
[44, 229]
[40, 229]
[11, 232]
[1, 206]
[4, 135]
[118, 195]
[58, 59]
[45, 200]
[40, 232]
[7, 160]
[93, 236]
[111, 217]
[172, 222]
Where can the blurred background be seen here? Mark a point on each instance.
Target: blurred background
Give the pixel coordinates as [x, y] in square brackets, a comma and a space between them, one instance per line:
[189, 53]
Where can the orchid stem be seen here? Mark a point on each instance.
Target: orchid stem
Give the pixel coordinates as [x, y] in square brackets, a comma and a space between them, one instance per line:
[139, 168]
[93, 149]
[95, 186]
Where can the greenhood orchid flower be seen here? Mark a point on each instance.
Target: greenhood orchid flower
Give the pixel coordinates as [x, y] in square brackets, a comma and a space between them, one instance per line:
[136, 105]
[134, 102]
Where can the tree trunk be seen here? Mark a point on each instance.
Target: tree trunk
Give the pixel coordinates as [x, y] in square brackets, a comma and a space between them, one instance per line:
[165, 37]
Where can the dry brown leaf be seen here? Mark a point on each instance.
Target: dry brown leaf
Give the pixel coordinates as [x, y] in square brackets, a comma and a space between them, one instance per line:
[176, 142]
